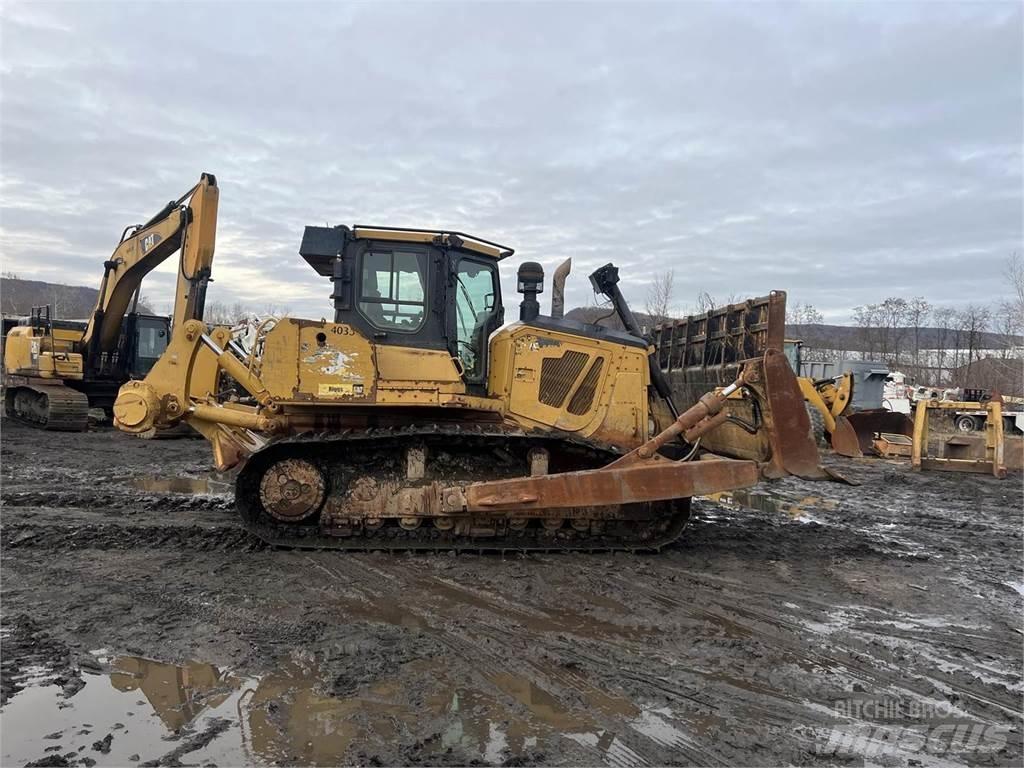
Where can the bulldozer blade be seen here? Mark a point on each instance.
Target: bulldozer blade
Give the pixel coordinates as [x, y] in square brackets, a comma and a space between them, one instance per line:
[793, 447]
[866, 424]
[845, 441]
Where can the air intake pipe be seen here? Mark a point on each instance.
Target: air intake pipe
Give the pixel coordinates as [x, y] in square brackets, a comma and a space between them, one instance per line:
[530, 278]
[606, 282]
[558, 289]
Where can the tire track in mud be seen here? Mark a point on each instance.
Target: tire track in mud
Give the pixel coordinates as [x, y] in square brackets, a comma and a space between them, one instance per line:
[573, 706]
[870, 661]
[111, 536]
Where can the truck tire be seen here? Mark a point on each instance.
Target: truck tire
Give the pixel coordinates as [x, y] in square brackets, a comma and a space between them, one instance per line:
[817, 425]
[966, 424]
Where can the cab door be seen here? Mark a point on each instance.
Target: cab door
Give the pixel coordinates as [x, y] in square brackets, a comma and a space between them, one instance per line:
[475, 312]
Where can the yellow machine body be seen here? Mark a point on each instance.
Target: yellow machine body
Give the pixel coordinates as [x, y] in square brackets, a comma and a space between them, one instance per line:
[593, 388]
[538, 380]
[30, 351]
[416, 419]
[829, 403]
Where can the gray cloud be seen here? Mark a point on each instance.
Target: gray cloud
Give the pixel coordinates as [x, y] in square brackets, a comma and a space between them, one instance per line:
[840, 152]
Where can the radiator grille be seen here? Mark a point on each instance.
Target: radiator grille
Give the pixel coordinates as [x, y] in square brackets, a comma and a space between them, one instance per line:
[583, 398]
[558, 374]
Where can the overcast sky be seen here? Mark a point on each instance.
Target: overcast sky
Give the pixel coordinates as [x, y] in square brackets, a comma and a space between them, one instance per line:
[842, 152]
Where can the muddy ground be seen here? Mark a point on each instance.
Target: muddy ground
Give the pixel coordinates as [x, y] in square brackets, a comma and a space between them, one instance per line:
[811, 624]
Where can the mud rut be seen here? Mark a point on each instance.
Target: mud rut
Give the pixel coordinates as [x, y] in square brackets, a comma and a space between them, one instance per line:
[731, 647]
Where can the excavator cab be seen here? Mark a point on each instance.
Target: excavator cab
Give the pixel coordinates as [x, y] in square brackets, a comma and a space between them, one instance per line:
[411, 288]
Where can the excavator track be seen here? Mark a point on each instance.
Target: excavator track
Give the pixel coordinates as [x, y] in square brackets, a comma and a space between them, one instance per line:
[56, 407]
[303, 492]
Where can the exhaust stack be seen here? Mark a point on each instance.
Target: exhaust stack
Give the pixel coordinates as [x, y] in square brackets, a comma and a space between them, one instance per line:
[558, 288]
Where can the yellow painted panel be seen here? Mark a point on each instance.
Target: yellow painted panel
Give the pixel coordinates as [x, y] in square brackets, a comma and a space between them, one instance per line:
[419, 365]
[618, 408]
[335, 363]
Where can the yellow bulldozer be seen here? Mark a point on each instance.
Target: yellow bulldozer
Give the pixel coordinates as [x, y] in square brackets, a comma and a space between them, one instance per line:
[418, 418]
[55, 370]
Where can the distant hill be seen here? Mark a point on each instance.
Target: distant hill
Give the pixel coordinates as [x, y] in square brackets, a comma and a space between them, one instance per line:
[844, 337]
[17, 297]
[851, 338]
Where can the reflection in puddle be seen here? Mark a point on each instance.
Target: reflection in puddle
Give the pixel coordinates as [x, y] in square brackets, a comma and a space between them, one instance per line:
[762, 501]
[194, 485]
[197, 713]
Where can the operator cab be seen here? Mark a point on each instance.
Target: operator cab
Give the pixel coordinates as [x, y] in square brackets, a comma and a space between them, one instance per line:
[414, 288]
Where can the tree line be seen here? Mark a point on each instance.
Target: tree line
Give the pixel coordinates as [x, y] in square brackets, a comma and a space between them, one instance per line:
[977, 345]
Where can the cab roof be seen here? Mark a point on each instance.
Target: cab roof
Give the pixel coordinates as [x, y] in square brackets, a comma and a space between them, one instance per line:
[320, 245]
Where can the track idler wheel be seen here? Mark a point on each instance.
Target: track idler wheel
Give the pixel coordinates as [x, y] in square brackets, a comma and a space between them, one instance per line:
[292, 490]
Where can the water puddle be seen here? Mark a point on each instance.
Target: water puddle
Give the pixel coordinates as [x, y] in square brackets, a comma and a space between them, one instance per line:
[142, 711]
[196, 713]
[762, 501]
[534, 618]
[197, 486]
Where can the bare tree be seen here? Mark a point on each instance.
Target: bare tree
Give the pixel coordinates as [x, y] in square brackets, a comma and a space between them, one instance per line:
[65, 302]
[660, 300]
[893, 314]
[219, 313]
[1008, 322]
[705, 302]
[918, 312]
[1014, 273]
[809, 321]
[278, 310]
[868, 319]
[944, 318]
[974, 320]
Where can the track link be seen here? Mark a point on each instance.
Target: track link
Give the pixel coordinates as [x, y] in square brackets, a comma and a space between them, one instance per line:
[351, 461]
[57, 407]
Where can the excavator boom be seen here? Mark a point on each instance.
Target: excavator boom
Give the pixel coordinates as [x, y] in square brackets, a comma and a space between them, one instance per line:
[55, 370]
[189, 227]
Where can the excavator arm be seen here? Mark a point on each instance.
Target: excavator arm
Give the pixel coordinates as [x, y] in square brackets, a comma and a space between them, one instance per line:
[189, 224]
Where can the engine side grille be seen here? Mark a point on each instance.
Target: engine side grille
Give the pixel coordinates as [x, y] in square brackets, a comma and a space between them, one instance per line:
[583, 398]
[558, 374]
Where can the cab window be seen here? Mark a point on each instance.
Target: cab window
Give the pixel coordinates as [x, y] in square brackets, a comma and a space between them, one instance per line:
[393, 289]
[150, 343]
[152, 340]
[475, 292]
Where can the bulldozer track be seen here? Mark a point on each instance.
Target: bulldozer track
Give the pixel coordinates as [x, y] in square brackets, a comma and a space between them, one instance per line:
[57, 408]
[464, 454]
